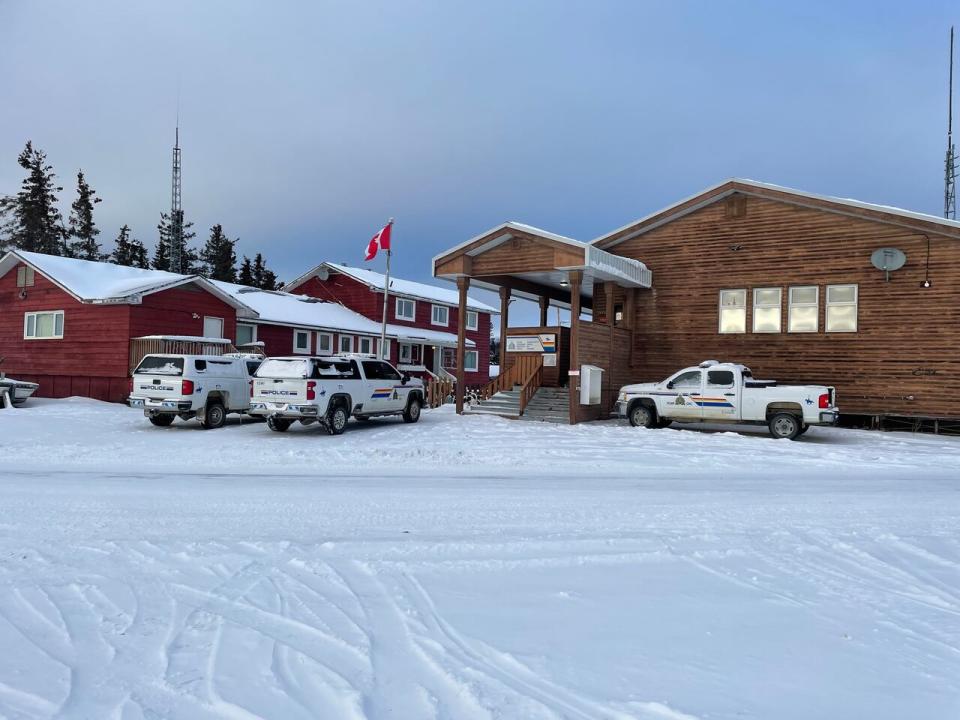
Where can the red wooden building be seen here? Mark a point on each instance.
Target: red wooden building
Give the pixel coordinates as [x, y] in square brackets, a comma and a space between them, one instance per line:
[411, 305]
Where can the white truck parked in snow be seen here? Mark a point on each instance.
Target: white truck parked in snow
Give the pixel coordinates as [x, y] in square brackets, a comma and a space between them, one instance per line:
[207, 387]
[728, 393]
[328, 390]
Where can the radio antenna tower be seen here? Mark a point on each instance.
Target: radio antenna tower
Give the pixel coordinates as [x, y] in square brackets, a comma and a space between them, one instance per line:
[176, 211]
[950, 181]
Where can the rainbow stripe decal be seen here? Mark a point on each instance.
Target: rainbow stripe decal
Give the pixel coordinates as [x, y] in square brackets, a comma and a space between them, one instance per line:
[701, 401]
[382, 393]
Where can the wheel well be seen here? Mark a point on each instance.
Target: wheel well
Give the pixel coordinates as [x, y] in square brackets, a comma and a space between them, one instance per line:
[642, 401]
[416, 395]
[340, 399]
[784, 407]
[217, 397]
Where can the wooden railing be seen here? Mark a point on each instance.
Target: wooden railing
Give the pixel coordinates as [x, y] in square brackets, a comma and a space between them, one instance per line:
[175, 345]
[531, 385]
[517, 374]
[438, 390]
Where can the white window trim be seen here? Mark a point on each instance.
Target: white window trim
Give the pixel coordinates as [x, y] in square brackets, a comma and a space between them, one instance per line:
[476, 320]
[433, 315]
[396, 309]
[321, 351]
[409, 359]
[721, 306]
[340, 343]
[299, 351]
[360, 349]
[855, 304]
[34, 315]
[778, 306]
[381, 355]
[253, 336]
[791, 305]
[476, 367]
[223, 325]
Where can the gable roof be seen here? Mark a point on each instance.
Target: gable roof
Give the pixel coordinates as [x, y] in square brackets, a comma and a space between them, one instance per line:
[398, 286]
[919, 222]
[105, 283]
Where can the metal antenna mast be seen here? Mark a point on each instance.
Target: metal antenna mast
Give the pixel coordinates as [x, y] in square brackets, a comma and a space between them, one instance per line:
[950, 181]
[176, 211]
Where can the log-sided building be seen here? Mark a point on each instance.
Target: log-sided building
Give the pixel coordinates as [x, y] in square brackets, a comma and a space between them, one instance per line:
[777, 279]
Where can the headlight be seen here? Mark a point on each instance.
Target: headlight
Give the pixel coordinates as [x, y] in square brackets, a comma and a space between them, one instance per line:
[623, 397]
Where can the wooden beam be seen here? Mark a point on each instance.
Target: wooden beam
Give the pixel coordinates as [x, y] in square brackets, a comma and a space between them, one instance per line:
[629, 316]
[573, 385]
[536, 289]
[463, 285]
[544, 307]
[504, 324]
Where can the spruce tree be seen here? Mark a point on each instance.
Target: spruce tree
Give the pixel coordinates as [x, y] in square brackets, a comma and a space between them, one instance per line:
[129, 251]
[138, 254]
[32, 220]
[83, 230]
[161, 255]
[246, 272]
[263, 277]
[219, 257]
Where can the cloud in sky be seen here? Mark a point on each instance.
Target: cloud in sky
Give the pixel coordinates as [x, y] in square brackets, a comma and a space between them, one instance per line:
[305, 125]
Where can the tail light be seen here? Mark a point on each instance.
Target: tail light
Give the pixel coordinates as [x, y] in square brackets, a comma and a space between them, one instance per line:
[311, 390]
[825, 400]
[130, 385]
[187, 387]
[251, 388]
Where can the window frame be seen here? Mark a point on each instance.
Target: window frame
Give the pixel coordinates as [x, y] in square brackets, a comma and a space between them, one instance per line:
[33, 315]
[253, 333]
[340, 339]
[779, 306]
[433, 315]
[476, 354]
[409, 359]
[223, 326]
[26, 277]
[413, 309]
[320, 350]
[301, 351]
[791, 304]
[381, 355]
[721, 307]
[475, 325]
[714, 386]
[360, 350]
[855, 304]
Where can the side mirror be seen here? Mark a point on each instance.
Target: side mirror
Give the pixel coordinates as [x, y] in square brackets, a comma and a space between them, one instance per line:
[670, 385]
[405, 379]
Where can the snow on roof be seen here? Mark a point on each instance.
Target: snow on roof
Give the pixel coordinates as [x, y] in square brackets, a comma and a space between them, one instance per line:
[281, 308]
[399, 286]
[507, 227]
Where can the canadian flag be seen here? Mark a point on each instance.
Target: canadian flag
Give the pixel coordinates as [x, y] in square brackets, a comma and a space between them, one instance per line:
[380, 241]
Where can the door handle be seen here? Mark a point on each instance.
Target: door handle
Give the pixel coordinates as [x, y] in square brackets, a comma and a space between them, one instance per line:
[730, 394]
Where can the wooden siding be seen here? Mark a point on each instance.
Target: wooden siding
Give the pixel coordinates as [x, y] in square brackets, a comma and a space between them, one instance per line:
[171, 312]
[610, 351]
[904, 358]
[555, 376]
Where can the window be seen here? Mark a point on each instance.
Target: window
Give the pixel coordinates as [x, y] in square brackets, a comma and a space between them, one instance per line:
[689, 380]
[24, 276]
[376, 370]
[43, 325]
[156, 365]
[324, 343]
[441, 315]
[252, 366]
[473, 320]
[386, 349]
[365, 346]
[406, 309]
[842, 308]
[246, 334]
[301, 342]
[720, 378]
[449, 358]
[200, 365]
[471, 359]
[618, 313]
[406, 353]
[346, 343]
[766, 310]
[212, 327]
[804, 309]
[733, 311]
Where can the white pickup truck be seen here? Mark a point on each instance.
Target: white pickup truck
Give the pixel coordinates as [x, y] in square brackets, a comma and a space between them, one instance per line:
[727, 392]
[329, 389]
[207, 387]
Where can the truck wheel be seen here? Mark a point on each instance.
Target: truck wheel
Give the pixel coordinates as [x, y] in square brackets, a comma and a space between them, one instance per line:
[278, 424]
[642, 416]
[803, 430]
[784, 425]
[162, 420]
[412, 412]
[214, 416]
[337, 420]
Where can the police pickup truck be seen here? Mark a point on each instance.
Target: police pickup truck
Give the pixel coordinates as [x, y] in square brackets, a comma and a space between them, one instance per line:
[330, 389]
[206, 387]
[728, 393]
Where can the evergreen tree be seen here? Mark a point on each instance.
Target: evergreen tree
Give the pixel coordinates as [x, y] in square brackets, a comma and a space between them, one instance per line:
[246, 272]
[82, 226]
[161, 255]
[263, 277]
[33, 222]
[219, 257]
[129, 251]
[138, 253]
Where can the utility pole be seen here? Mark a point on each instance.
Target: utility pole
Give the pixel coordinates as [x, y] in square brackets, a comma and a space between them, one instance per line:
[950, 176]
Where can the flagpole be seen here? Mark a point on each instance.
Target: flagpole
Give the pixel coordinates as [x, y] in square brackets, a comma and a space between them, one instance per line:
[386, 294]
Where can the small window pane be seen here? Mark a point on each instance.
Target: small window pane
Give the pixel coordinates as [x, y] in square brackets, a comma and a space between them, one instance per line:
[766, 319]
[302, 340]
[842, 318]
[720, 378]
[244, 334]
[346, 343]
[803, 295]
[803, 319]
[733, 298]
[766, 296]
[470, 360]
[841, 293]
[45, 325]
[733, 320]
[688, 380]
[200, 365]
[31, 325]
[472, 320]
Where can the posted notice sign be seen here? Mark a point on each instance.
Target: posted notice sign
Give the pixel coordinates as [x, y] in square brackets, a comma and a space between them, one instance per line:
[542, 343]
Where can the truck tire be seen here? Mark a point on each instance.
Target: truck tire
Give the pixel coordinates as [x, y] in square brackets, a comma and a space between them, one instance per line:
[337, 420]
[214, 416]
[162, 420]
[278, 424]
[784, 426]
[664, 422]
[803, 430]
[642, 415]
[412, 412]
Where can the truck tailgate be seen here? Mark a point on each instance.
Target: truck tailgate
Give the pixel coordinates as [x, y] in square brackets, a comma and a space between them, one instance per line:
[279, 390]
[157, 387]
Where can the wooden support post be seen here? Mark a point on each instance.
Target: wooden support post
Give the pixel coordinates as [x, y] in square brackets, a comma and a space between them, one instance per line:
[504, 324]
[574, 383]
[463, 284]
[544, 306]
[630, 318]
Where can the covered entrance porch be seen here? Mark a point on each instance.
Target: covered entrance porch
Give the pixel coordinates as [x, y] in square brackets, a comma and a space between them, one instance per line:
[589, 358]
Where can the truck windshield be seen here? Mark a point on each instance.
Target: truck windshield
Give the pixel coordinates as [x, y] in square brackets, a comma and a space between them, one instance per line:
[274, 368]
[154, 365]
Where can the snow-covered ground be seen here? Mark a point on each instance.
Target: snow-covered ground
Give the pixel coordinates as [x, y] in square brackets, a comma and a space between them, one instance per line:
[472, 567]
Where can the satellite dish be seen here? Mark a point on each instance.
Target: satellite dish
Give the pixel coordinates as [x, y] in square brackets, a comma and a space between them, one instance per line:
[888, 259]
[323, 274]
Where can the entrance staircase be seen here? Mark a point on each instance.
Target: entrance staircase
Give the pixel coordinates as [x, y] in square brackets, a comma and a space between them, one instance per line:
[548, 404]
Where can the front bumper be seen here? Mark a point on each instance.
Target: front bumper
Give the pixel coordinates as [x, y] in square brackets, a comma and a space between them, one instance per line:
[621, 408]
[165, 406]
[288, 411]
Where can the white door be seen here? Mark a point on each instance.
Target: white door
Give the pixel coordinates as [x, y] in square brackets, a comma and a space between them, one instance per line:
[212, 327]
[385, 392]
[686, 388]
[719, 400]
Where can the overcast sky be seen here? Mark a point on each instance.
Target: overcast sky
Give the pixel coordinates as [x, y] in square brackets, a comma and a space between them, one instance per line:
[305, 125]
